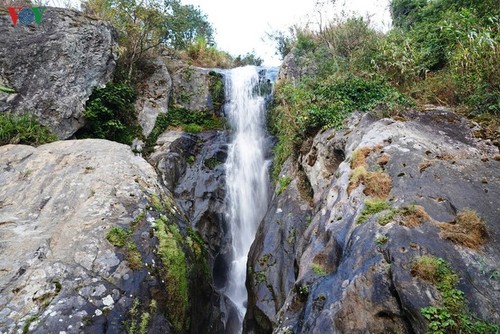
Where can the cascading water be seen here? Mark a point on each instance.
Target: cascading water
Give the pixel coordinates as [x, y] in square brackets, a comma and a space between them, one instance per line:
[246, 173]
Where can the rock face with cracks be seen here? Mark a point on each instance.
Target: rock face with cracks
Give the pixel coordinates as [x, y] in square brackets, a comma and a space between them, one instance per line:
[341, 266]
[54, 66]
[92, 242]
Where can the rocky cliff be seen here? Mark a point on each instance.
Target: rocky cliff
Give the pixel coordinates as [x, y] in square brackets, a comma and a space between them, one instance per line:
[53, 66]
[93, 242]
[390, 199]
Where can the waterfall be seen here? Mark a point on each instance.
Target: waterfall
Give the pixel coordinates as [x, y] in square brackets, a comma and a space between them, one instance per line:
[246, 173]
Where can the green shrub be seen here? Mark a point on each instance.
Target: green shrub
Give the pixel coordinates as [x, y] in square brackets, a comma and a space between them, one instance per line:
[110, 114]
[23, 129]
[118, 236]
[283, 184]
[372, 206]
[191, 121]
[452, 316]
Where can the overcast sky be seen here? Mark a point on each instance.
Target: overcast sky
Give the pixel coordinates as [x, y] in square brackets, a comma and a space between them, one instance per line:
[241, 25]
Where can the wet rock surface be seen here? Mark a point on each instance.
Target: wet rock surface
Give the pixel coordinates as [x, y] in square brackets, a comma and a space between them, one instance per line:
[54, 66]
[192, 166]
[356, 277]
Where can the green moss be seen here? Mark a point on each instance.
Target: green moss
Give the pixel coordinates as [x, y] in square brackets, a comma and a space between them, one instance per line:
[156, 202]
[134, 257]
[452, 316]
[23, 130]
[372, 206]
[174, 272]
[117, 236]
[212, 163]
[216, 88]
[382, 239]
[291, 236]
[388, 217]
[138, 219]
[283, 184]
[319, 270]
[259, 277]
[28, 323]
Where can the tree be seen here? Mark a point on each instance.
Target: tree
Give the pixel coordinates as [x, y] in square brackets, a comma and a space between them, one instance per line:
[184, 24]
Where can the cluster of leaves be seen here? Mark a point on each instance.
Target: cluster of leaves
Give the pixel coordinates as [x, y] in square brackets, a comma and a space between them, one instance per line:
[191, 121]
[442, 52]
[452, 316]
[317, 103]
[23, 130]
[110, 114]
[456, 42]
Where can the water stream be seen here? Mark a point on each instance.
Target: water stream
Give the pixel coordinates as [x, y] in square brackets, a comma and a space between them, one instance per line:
[247, 177]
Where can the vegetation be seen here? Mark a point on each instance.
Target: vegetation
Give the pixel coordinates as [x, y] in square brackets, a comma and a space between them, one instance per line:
[110, 114]
[118, 236]
[23, 130]
[187, 120]
[468, 230]
[372, 206]
[283, 183]
[443, 52]
[175, 272]
[381, 239]
[452, 316]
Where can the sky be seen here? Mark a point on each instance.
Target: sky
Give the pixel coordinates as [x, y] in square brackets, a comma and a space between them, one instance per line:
[241, 26]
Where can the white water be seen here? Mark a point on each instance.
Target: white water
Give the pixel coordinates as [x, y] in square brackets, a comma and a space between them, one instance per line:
[247, 174]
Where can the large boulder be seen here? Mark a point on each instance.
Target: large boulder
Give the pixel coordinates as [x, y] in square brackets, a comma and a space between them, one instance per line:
[54, 66]
[354, 271]
[200, 89]
[92, 242]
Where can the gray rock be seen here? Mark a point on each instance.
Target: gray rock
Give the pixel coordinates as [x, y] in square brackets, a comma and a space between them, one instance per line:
[192, 166]
[154, 95]
[196, 88]
[54, 66]
[346, 282]
[57, 270]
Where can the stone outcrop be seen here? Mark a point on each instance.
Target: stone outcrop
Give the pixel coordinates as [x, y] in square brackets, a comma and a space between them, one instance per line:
[330, 268]
[196, 88]
[92, 242]
[53, 67]
[154, 95]
[192, 167]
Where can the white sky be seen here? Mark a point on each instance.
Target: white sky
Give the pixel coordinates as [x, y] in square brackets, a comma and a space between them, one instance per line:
[241, 25]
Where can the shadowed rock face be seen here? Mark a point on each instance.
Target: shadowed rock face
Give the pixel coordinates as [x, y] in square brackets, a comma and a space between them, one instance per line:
[331, 275]
[54, 66]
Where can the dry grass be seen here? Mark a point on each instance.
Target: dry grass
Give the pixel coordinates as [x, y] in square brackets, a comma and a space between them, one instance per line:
[424, 165]
[383, 160]
[468, 230]
[357, 177]
[378, 184]
[359, 157]
[414, 215]
[425, 267]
